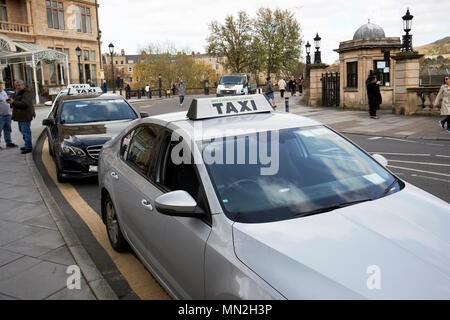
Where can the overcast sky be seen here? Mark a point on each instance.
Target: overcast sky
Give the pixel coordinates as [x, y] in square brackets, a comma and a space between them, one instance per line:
[133, 24]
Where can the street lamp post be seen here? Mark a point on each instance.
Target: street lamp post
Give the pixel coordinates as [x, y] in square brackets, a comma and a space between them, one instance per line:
[317, 58]
[111, 52]
[99, 38]
[160, 85]
[80, 71]
[407, 38]
[308, 50]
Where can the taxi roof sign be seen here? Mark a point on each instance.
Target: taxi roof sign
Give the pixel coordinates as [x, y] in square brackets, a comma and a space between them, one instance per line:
[228, 106]
[84, 91]
[78, 86]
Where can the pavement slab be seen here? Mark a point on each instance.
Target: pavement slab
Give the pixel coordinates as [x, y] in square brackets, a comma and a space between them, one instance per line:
[37, 244]
[8, 256]
[59, 255]
[10, 232]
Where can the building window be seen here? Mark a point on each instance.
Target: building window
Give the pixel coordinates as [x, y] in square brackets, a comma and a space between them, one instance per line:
[86, 55]
[3, 15]
[381, 68]
[352, 74]
[93, 55]
[121, 62]
[131, 79]
[66, 51]
[83, 15]
[130, 69]
[55, 14]
[94, 72]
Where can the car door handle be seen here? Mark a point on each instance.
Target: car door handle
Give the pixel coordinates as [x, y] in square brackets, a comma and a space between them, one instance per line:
[147, 204]
[114, 175]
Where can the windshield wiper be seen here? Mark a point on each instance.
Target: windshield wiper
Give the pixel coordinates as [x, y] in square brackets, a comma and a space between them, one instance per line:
[330, 208]
[386, 191]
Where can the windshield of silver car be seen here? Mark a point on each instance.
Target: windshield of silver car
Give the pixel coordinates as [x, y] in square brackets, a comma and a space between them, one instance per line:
[291, 173]
[99, 110]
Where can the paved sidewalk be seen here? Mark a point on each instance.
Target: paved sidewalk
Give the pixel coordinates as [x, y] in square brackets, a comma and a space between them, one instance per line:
[359, 122]
[36, 242]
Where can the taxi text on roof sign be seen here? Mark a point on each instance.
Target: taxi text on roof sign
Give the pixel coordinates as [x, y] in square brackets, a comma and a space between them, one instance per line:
[84, 91]
[228, 106]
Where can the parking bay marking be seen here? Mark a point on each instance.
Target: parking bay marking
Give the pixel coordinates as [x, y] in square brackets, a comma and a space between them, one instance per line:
[137, 276]
[422, 171]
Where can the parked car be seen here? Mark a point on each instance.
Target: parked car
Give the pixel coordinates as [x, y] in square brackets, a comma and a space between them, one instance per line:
[77, 127]
[235, 201]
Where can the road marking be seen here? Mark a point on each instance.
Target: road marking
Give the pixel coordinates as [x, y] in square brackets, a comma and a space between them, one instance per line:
[375, 138]
[423, 171]
[432, 178]
[441, 156]
[430, 144]
[426, 163]
[137, 276]
[404, 154]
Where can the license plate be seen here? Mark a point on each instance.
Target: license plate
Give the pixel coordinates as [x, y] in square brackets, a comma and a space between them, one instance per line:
[93, 168]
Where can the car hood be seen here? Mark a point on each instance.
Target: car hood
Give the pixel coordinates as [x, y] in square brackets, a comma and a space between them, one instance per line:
[396, 247]
[91, 133]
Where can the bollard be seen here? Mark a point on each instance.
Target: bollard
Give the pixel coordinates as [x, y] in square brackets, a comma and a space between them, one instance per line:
[139, 94]
[120, 91]
[286, 103]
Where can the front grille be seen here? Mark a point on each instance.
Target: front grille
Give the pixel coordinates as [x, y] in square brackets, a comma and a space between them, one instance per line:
[228, 91]
[94, 151]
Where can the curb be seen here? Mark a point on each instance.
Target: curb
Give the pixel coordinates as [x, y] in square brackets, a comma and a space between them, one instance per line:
[98, 285]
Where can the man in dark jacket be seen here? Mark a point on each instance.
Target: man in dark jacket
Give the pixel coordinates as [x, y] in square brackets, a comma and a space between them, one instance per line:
[23, 113]
[374, 95]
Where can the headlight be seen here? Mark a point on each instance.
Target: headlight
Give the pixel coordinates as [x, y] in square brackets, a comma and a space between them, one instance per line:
[71, 150]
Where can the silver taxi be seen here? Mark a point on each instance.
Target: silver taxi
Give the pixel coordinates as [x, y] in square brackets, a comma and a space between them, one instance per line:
[235, 201]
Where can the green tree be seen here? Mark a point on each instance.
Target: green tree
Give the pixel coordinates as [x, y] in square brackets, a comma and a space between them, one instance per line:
[233, 40]
[277, 40]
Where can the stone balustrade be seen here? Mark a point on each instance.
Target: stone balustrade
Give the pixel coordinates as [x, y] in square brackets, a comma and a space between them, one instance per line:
[15, 27]
[420, 101]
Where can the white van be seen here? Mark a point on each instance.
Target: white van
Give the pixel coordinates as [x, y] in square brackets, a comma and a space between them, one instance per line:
[233, 84]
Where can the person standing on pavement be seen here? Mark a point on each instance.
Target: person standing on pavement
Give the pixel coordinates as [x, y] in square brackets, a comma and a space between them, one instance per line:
[181, 91]
[292, 84]
[374, 95]
[5, 117]
[282, 87]
[148, 91]
[443, 97]
[174, 89]
[127, 91]
[300, 85]
[104, 87]
[268, 92]
[23, 113]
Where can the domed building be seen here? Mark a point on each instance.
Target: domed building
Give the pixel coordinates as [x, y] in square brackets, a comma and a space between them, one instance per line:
[369, 52]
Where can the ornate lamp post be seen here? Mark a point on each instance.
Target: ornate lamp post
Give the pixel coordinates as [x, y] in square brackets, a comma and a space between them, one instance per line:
[160, 85]
[317, 58]
[80, 71]
[407, 38]
[111, 52]
[99, 37]
[308, 50]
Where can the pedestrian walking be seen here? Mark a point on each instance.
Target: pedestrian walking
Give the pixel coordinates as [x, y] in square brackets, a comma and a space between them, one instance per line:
[104, 87]
[23, 113]
[268, 92]
[300, 85]
[443, 98]
[5, 117]
[127, 91]
[292, 84]
[282, 87]
[181, 91]
[148, 91]
[374, 95]
[174, 89]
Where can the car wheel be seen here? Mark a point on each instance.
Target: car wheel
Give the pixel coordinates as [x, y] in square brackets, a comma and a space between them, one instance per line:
[59, 177]
[50, 150]
[115, 235]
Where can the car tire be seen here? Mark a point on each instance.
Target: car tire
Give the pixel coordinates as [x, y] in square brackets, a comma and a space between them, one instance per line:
[115, 236]
[59, 177]
[50, 150]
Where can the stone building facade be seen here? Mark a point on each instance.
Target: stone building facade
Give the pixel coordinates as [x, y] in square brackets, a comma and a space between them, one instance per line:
[60, 25]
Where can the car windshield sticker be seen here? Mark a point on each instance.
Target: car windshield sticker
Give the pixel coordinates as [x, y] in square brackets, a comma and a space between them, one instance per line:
[374, 178]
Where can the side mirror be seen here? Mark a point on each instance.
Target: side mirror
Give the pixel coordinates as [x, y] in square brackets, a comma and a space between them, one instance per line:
[48, 103]
[176, 203]
[48, 122]
[144, 114]
[380, 159]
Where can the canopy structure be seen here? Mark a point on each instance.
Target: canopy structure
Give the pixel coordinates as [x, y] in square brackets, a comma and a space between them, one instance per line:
[32, 55]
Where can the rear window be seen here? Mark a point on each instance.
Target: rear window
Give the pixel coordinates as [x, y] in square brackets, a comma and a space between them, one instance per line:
[99, 110]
